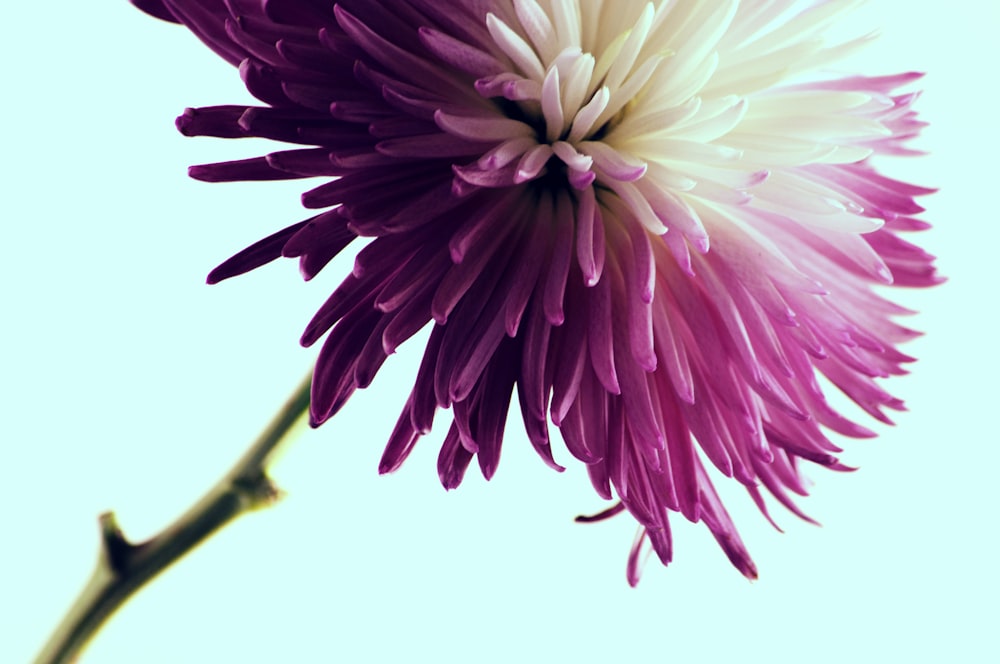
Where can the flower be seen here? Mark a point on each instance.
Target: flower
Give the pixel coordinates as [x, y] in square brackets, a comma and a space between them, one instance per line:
[641, 215]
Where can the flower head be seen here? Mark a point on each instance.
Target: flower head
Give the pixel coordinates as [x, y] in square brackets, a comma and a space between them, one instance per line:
[641, 215]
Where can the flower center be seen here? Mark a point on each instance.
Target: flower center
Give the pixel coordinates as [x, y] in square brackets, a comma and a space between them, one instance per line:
[569, 96]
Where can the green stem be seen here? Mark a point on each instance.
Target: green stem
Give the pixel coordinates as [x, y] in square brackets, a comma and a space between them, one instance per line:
[123, 568]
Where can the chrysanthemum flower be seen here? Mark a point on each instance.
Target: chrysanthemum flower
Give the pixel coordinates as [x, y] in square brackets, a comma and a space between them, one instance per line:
[641, 215]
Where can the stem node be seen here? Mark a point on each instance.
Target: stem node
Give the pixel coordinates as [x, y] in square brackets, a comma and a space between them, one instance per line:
[123, 568]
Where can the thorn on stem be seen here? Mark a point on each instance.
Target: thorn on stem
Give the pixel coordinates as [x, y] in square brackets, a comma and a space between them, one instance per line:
[117, 550]
[258, 491]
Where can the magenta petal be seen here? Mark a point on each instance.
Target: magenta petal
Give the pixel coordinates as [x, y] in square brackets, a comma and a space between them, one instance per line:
[559, 260]
[460, 55]
[259, 253]
[401, 443]
[601, 337]
[453, 460]
[155, 8]
[257, 168]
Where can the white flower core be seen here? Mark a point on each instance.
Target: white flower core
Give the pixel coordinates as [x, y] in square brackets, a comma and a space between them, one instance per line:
[674, 107]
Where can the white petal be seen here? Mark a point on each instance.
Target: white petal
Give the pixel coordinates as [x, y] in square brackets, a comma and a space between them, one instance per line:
[769, 151]
[632, 45]
[574, 89]
[533, 162]
[843, 222]
[614, 163]
[538, 27]
[583, 123]
[673, 149]
[630, 89]
[638, 204]
[654, 120]
[506, 152]
[552, 108]
[568, 154]
[518, 50]
[714, 121]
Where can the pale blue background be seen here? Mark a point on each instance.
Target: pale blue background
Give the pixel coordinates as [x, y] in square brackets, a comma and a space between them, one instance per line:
[127, 383]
